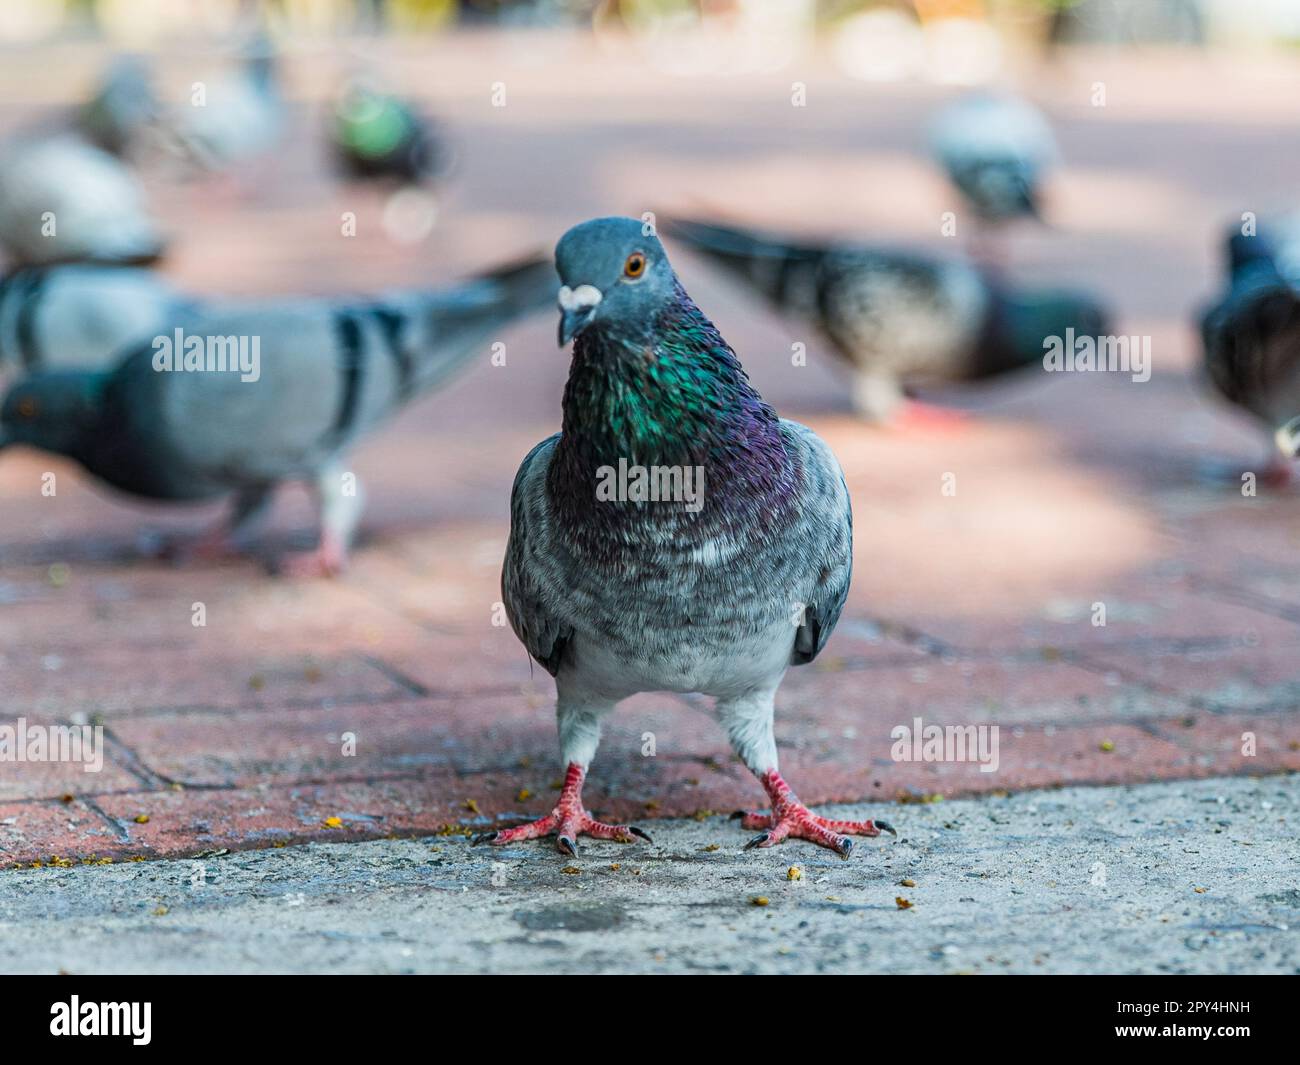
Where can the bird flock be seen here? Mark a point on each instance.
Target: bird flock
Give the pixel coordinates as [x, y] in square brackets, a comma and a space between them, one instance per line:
[676, 534]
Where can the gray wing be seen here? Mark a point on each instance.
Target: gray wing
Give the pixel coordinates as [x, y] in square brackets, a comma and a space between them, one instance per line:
[529, 569]
[827, 532]
[296, 390]
[900, 314]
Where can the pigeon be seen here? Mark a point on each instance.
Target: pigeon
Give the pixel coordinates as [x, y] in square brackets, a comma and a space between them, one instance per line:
[378, 137]
[241, 114]
[235, 400]
[64, 200]
[124, 110]
[1251, 338]
[996, 150]
[897, 317]
[725, 560]
[81, 316]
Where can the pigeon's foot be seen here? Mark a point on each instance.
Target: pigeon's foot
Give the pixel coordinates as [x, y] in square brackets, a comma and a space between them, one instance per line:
[912, 416]
[211, 546]
[328, 560]
[567, 822]
[792, 819]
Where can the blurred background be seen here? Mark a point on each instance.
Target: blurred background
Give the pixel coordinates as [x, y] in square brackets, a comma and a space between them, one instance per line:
[811, 118]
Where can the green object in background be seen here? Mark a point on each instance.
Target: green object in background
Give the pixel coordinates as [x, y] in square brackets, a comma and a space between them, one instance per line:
[373, 127]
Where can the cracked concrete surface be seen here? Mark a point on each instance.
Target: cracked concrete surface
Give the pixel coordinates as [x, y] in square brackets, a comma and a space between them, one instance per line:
[1185, 877]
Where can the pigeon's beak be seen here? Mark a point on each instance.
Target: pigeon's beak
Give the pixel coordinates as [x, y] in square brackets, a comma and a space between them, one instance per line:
[577, 309]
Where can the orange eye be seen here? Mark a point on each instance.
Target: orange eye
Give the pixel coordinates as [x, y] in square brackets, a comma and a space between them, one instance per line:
[635, 265]
[27, 407]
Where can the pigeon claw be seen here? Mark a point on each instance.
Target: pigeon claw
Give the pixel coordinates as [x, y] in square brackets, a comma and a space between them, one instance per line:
[791, 819]
[483, 837]
[567, 825]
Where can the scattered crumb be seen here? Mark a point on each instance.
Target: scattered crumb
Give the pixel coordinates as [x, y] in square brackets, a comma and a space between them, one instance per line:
[651, 804]
[909, 882]
[760, 900]
[1107, 746]
[333, 822]
[471, 805]
[712, 847]
[794, 873]
[67, 798]
[523, 795]
[141, 819]
[572, 870]
[160, 911]
[1200, 890]
[902, 903]
[702, 815]
[615, 867]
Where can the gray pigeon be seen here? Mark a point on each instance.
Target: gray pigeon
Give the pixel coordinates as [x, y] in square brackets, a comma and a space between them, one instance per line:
[235, 401]
[898, 318]
[1251, 338]
[378, 137]
[241, 114]
[64, 200]
[996, 150]
[676, 535]
[81, 316]
[123, 112]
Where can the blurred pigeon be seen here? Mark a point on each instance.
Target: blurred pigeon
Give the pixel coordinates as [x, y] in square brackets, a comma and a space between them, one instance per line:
[1251, 339]
[378, 137]
[124, 109]
[81, 317]
[241, 116]
[996, 150]
[728, 566]
[237, 400]
[896, 317]
[64, 200]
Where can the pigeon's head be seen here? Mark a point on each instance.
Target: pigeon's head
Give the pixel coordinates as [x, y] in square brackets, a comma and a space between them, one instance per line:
[51, 411]
[615, 277]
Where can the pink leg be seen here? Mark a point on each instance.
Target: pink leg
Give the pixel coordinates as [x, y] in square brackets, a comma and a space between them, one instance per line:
[328, 560]
[568, 821]
[791, 818]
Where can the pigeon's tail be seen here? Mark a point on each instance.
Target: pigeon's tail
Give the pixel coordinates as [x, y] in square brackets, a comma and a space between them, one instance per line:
[1030, 326]
[784, 272]
[453, 326]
